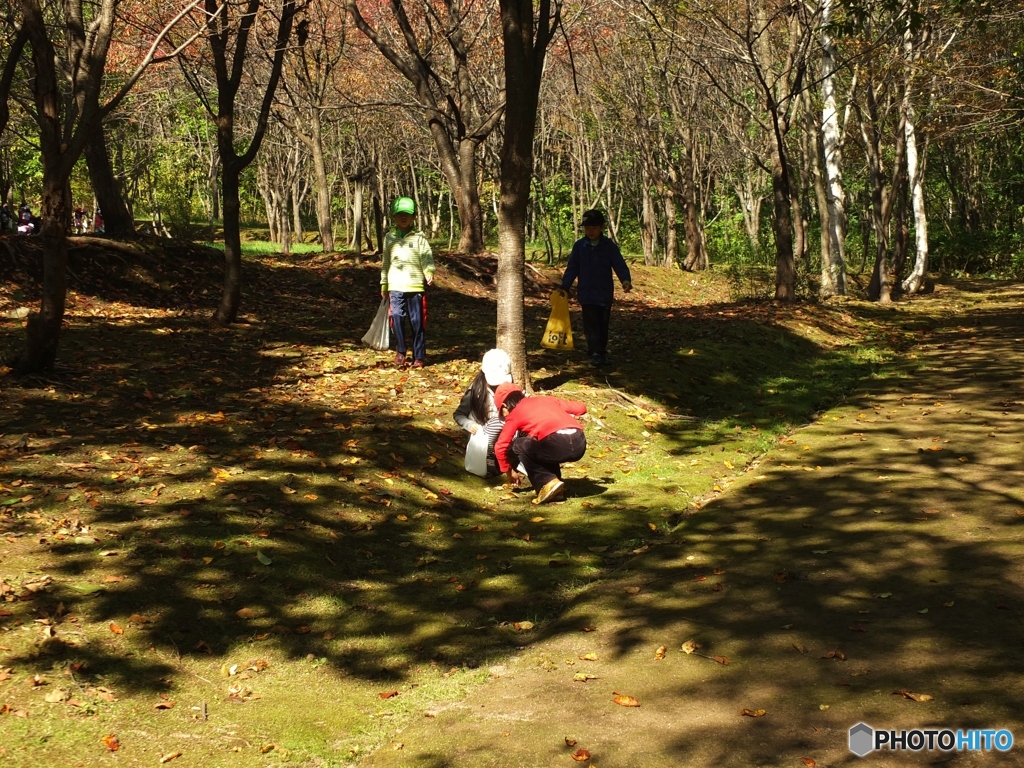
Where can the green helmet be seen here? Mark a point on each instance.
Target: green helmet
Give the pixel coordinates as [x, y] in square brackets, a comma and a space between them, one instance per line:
[404, 205]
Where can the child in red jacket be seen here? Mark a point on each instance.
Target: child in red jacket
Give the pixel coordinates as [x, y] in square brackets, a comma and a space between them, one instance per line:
[542, 433]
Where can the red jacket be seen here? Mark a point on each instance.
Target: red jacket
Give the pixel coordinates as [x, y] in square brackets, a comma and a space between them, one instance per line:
[538, 417]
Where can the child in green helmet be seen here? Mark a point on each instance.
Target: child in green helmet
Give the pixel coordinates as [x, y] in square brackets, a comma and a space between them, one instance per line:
[407, 267]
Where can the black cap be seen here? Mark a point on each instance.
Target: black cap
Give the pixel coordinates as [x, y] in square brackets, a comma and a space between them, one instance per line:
[593, 218]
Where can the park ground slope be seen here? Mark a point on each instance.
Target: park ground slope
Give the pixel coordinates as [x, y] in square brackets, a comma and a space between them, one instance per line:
[870, 570]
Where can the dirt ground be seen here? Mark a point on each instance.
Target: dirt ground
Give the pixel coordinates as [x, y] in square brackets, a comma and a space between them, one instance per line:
[870, 571]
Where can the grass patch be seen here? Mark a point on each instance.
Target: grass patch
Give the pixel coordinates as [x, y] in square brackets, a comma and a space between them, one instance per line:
[261, 539]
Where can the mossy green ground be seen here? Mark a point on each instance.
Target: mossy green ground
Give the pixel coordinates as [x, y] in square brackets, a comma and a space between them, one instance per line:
[257, 545]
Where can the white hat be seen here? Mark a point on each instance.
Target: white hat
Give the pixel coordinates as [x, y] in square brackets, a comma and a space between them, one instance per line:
[497, 367]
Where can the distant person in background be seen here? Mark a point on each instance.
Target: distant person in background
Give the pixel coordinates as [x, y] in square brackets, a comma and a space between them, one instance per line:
[406, 269]
[476, 410]
[593, 259]
[5, 218]
[79, 220]
[97, 222]
[26, 225]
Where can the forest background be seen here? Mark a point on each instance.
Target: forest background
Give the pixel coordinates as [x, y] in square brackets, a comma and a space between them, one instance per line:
[812, 138]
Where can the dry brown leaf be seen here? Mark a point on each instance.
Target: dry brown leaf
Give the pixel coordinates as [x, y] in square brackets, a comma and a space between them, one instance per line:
[116, 629]
[523, 626]
[838, 655]
[808, 762]
[913, 696]
[659, 654]
[690, 646]
[245, 613]
[754, 712]
[170, 756]
[723, 660]
[111, 742]
[625, 701]
[388, 694]
[588, 657]
[582, 677]
[570, 742]
[164, 705]
[632, 590]
[581, 755]
[800, 647]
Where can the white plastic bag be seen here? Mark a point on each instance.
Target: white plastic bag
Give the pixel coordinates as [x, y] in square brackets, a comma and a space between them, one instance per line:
[379, 335]
[476, 454]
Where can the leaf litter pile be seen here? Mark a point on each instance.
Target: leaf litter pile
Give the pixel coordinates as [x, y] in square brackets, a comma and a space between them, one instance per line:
[217, 541]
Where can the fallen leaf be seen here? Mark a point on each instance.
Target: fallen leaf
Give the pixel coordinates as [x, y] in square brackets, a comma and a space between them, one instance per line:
[800, 647]
[632, 590]
[582, 677]
[625, 701]
[588, 657]
[110, 742]
[56, 696]
[245, 613]
[523, 626]
[659, 654]
[723, 660]
[263, 558]
[116, 629]
[164, 705]
[570, 742]
[754, 712]
[808, 762]
[388, 694]
[839, 655]
[581, 755]
[913, 696]
[170, 756]
[690, 646]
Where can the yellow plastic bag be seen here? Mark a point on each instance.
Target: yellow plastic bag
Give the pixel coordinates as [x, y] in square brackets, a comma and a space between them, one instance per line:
[558, 333]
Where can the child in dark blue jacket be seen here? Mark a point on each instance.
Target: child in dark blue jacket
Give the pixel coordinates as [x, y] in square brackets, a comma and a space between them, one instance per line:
[592, 260]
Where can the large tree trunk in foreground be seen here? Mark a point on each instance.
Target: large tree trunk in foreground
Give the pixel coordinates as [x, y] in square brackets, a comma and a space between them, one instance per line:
[525, 45]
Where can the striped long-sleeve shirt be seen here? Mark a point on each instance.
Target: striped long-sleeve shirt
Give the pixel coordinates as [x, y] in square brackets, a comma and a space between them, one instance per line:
[407, 263]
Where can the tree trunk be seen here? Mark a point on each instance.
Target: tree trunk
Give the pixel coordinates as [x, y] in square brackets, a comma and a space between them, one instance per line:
[116, 218]
[44, 327]
[525, 44]
[696, 253]
[472, 238]
[324, 217]
[671, 241]
[782, 225]
[649, 228]
[832, 150]
[227, 312]
[915, 179]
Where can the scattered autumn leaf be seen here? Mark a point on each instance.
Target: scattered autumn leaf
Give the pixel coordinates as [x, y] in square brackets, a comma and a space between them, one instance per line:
[588, 657]
[754, 712]
[570, 742]
[388, 694]
[245, 613]
[625, 701]
[800, 647]
[111, 742]
[723, 660]
[837, 655]
[116, 629]
[164, 705]
[808, 762]
[659, 654]
[170, 756]
[913, 696]
[581, 755]
[690, 646]
[523, 626]
[632, 590]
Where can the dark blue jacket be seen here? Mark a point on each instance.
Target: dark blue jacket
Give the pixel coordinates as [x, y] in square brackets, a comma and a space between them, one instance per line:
[593, 265]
